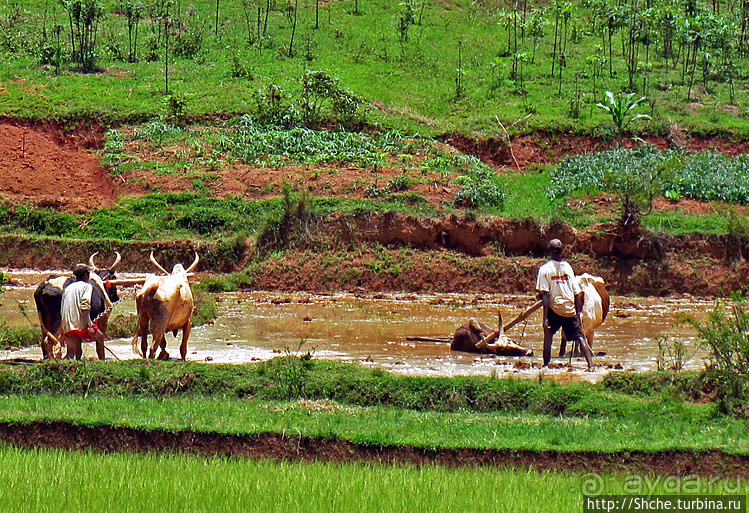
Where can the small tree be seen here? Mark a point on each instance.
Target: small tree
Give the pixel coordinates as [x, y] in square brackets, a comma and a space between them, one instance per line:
[406, 19]
[725, 335]
[84, 17]
[620, 109]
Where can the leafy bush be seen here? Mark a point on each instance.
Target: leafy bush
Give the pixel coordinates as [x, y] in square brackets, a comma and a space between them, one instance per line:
[41, 221]
[706, 176]
[273, 107]
[480, 188]
[725, 335]
[320, 90]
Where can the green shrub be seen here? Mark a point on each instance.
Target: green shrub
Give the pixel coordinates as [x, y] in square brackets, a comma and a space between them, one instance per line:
[480, 188]
[725, 335]
[18, 336]
[41, 221]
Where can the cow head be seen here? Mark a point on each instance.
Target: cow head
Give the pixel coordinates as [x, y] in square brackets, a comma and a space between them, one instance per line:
[106, 274]
[178, 268]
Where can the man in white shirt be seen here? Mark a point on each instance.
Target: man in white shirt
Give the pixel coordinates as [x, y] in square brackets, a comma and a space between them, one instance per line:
[563, 302]
[76, 313]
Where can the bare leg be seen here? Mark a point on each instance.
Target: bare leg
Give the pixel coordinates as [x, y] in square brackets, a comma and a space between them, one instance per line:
[185, 334]
[586, 352]
[548, 339]
[74, 348]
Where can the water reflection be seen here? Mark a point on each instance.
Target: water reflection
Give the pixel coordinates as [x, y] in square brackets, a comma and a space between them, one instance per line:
[373, 330]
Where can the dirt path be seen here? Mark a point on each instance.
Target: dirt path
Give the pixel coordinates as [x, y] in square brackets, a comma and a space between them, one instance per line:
[285, 447]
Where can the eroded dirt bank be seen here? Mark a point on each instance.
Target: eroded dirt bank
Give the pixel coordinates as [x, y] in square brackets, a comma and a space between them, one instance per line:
[388, 252]
[61, 435]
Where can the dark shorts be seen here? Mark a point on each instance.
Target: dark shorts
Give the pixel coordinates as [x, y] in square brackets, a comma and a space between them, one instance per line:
[570, 325]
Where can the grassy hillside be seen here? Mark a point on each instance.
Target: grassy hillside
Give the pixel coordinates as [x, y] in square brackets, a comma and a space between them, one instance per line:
[425, 66]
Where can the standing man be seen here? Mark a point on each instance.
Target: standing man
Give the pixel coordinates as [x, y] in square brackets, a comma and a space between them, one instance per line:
[76, 314]
[563, 302]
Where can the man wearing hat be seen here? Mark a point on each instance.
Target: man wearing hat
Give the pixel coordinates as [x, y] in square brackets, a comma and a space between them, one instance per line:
[76, 312]
[563, 302]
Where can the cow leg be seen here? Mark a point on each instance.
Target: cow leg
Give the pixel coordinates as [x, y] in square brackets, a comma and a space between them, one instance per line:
[46, 347]
[144, 340]
[159, 339]
[185, 334]
[563, 345]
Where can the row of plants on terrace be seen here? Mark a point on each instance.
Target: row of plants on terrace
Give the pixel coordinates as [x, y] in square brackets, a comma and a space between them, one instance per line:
[673, 173]
[501, 59]
[638, 176]
[275, 134]
[298, 376]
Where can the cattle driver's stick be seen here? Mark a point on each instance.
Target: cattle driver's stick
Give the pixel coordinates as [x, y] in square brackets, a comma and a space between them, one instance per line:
[104, 336]
[112, 352]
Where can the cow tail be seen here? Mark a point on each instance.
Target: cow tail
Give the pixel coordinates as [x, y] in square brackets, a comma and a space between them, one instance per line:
[47, 334]
[136, 349]
[141, 313]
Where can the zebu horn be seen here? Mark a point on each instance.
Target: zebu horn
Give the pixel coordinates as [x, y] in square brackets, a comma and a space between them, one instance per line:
[194, 264]
[116, 261]
[154, 262]
[91, 261]
[501, 328]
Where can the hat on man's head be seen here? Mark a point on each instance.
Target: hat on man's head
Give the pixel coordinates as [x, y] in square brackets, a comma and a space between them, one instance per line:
[556, 245]
[80, 269]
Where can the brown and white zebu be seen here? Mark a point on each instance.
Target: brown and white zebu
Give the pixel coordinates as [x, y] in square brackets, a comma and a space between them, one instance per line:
[48, 299]
[164, 303]
[477, 337]
[596, 304]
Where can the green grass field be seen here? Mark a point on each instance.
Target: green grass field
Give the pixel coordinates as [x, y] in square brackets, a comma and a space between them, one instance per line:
[316, 398]
[59, 481]
[428, 66]
[659, 427]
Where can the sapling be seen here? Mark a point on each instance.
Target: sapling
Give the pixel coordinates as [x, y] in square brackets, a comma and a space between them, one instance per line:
[620, 109]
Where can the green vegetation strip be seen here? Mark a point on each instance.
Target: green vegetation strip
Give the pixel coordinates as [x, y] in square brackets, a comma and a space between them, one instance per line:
[673, 428]
[61, 481]
[350, 402]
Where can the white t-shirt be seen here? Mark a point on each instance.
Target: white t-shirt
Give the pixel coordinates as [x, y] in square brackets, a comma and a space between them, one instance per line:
[75, 299]
[558, 279]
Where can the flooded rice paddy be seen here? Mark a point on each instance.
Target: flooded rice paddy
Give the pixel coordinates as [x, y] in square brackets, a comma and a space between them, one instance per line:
[373, 329]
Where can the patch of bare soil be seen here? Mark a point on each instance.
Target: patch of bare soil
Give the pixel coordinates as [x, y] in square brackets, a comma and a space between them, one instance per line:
[285, 447]
[48, 167]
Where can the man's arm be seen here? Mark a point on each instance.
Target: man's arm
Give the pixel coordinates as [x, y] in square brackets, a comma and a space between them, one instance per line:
[546, 298]
[579, 299]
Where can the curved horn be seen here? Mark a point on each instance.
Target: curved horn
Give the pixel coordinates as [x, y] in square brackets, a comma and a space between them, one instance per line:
[194, 264]
[116, 261]
[153, 260]
[91, 261]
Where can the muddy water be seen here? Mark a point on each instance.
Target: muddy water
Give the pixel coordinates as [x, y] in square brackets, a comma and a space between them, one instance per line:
[373, 329]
